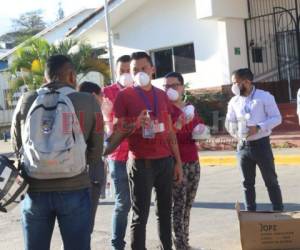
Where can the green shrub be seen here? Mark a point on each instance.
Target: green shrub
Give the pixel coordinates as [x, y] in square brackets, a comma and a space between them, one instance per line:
[207, 103]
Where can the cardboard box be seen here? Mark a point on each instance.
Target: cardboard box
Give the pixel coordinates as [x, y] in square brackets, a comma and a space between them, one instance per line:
[269, 230]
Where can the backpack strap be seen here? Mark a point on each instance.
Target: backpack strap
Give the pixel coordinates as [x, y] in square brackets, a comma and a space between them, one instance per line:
[64, 90]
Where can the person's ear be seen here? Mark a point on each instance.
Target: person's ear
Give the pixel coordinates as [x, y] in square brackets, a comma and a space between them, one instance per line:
[181, 88]
[46, 78]
[72, 78]
[153, 71]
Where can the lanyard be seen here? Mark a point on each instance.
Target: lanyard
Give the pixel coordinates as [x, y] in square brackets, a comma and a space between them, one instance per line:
[146, 100]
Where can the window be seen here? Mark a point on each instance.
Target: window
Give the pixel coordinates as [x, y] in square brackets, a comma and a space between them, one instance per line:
[180, 59]
[257, 55]
[163, 62]
[184, 59]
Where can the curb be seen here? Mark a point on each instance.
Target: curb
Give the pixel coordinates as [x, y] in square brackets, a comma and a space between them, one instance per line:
[231, 161]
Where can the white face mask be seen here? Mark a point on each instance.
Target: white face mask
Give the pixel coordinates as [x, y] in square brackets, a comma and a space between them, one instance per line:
[172, 94]
[141, 79]
[125, 80]
[235, 89]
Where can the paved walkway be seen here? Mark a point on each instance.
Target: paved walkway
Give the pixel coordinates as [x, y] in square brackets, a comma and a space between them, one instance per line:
[214, 224]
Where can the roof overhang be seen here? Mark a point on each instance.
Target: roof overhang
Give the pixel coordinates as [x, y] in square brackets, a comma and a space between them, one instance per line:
[118, 10]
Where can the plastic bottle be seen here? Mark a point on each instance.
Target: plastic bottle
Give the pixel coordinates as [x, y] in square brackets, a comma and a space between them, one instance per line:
[242, 128]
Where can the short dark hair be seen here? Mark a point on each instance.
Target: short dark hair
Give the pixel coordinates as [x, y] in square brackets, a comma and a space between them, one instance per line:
[123, 59]
[89, 87]
[57, 65]
[140, 55]
[244, 74]
[176, 75]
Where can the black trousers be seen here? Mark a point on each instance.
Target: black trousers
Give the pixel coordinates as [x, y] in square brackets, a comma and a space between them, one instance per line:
[143, 176]
[250, 154]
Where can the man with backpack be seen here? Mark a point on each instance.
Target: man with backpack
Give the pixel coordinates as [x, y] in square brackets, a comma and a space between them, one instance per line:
[57, 132]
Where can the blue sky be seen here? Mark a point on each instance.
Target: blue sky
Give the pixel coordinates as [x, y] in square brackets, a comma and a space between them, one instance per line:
[13, 8]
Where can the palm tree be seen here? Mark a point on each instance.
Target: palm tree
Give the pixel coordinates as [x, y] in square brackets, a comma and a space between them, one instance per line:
[29, 61]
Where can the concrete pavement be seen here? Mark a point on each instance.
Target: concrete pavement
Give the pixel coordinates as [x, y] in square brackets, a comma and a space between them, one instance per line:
[214, 223]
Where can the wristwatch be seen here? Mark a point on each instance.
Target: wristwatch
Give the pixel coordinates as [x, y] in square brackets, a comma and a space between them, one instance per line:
[258, 127]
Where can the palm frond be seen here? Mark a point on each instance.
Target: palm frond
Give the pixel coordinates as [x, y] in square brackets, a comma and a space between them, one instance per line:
[32, 56]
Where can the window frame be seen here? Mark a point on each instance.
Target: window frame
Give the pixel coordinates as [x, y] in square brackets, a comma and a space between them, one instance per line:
[153, 51]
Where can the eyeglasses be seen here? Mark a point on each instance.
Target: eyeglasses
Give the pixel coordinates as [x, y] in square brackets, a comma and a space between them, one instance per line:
[173, 86]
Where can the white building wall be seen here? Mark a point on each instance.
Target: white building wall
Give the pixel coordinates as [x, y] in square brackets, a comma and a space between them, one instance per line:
[222, 8]
[59, 32]
[92, 76]
[148, 29]
[231, 37]
[3, 51]
[176, 23]
[236, 39]
[96, 36]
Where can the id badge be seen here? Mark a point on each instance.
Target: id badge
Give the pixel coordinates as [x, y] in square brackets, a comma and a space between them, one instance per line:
[149, 131]
[159, 127]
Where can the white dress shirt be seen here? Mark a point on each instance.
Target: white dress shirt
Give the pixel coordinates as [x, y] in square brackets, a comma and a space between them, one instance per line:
[262, 110]
[298, 103]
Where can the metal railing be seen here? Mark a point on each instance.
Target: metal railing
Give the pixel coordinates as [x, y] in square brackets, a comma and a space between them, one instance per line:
[260, 8]
[273, 41]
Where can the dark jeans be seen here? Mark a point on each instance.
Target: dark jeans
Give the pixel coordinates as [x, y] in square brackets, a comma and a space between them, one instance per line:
[143, 176]
[72, 210]
[259, 153]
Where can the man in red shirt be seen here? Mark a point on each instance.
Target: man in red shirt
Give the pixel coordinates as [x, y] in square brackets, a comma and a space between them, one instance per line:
[143, 114]
[117, 160]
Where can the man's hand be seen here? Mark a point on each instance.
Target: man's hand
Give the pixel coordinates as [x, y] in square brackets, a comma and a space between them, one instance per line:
[106, 107]
[178, 174]
[114, 141]
[253, 130]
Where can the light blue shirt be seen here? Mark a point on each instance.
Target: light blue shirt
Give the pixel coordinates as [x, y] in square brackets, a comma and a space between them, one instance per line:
[262, 110]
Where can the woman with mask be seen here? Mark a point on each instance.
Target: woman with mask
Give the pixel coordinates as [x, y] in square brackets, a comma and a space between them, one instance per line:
[189, 128]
